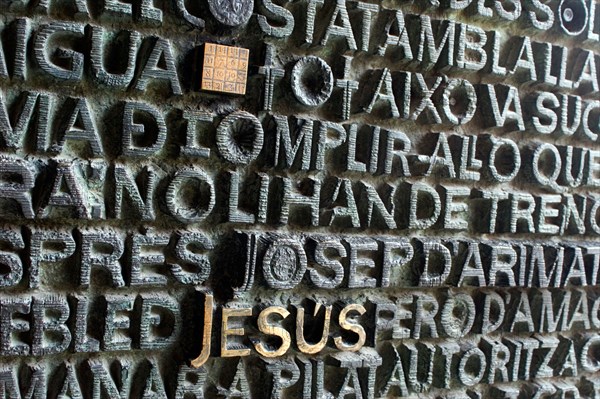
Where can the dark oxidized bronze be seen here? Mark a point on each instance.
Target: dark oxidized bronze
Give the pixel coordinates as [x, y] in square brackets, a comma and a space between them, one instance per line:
[299, 199]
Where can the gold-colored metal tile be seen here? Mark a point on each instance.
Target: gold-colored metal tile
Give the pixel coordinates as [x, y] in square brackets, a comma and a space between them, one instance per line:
[210, 48]
[241, 88]
[232, 64]
[233, 52]
[221, 50]
[229, 87]
[219, 74]
[209, 61]
[207, 73]
[225, 68]
[231, 76]
[221, 62]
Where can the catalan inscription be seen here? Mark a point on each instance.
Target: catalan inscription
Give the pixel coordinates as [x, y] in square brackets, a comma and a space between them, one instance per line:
[299, 199]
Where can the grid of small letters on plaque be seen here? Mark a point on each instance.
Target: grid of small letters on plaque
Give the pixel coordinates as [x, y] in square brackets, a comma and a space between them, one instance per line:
[225, 68]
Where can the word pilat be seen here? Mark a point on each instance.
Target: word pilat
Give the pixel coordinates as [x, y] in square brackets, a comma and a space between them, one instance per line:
[325, 375]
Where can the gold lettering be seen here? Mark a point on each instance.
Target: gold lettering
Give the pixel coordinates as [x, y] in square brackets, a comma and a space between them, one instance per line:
[207, 332]
[226, 331]
[354, 327]
[270, 329]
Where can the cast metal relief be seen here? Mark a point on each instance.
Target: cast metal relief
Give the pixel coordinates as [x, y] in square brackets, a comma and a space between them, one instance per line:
[299, 199]
[231, 12]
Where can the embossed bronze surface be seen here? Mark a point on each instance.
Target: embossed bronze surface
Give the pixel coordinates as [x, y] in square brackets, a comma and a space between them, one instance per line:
[306, 199]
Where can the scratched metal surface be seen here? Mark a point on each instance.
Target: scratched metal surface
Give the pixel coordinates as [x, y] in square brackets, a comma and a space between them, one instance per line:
[299, 199]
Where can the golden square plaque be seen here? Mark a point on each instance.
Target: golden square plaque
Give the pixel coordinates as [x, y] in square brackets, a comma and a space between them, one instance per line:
[225, 68]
